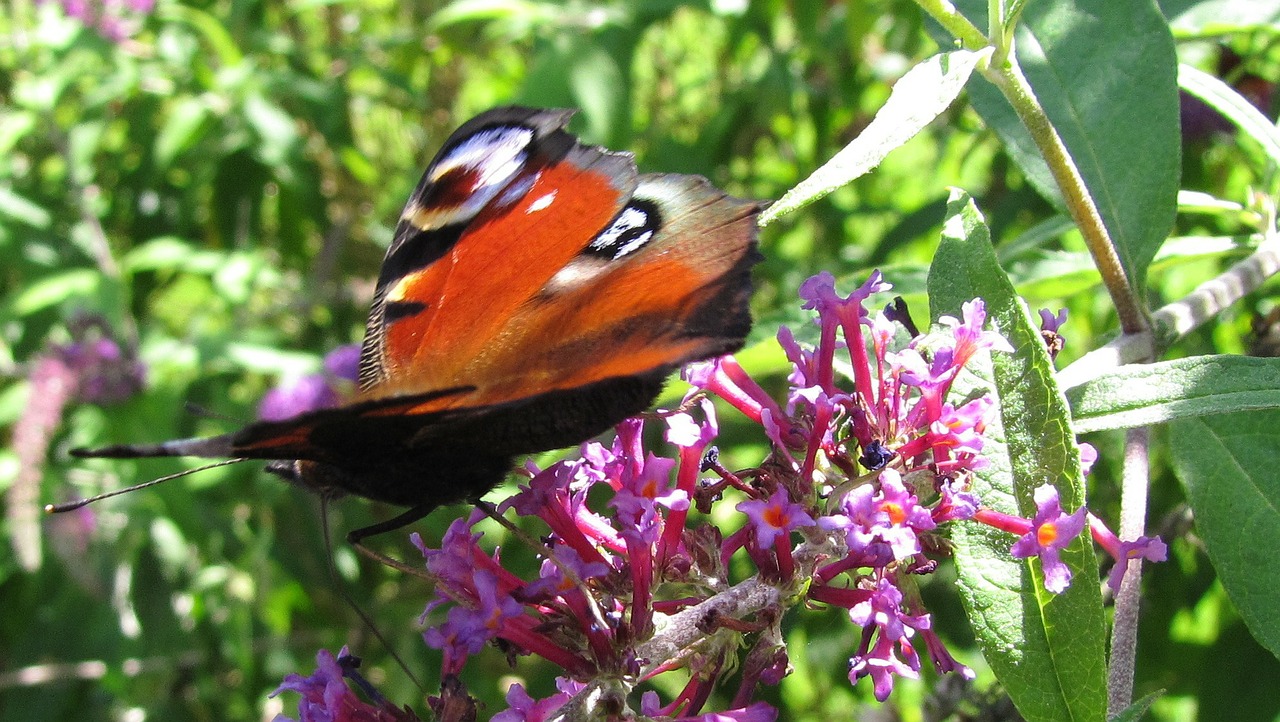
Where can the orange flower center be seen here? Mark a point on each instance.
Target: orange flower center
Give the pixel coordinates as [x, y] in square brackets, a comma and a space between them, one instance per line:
[1047, 534]
[896, 513]
[774, 517]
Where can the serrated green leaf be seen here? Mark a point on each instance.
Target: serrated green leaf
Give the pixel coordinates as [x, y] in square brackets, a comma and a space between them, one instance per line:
[1228, 465]
[1120, 127]
[917, 98]
[1146, 394]
[1048, 650]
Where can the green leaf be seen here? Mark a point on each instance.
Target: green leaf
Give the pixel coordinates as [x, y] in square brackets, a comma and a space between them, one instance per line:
[1138, 710]
[52, 290]
[21, 209]
[358, 165]
[1228, 465]
[468, 11]
[170, 253]
[917, 98]
[266, 359]
[1196, 18]
[1048, 650]
[598, 88]
[1145, 394]
[274, 127]
[1105, 73]
[215, 34]
[181, 129]
[14, 126]
[1224, 99]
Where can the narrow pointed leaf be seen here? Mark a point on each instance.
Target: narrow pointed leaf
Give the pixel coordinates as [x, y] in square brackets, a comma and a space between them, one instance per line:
[917, 98]
[1048, 650]
[1146, 394]
[1228, 464]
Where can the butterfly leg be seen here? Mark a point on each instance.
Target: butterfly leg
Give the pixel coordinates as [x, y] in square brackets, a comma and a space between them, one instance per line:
[356, 539]
[402, 520]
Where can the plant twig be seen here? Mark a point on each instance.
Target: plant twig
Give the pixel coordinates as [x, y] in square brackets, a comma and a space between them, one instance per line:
[1010, 80]
[1179, 318]
[1133, 520]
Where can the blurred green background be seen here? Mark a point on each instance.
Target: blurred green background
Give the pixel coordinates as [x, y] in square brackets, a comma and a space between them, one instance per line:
[213, 184]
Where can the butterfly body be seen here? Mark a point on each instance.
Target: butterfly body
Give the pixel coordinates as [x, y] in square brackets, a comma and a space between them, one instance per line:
[537, 290]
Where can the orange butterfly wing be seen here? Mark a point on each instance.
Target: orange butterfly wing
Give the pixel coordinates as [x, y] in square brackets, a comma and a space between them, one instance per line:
[586, 273]
[536, 292]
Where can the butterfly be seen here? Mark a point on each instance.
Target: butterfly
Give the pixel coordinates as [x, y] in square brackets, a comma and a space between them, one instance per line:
[537, 290]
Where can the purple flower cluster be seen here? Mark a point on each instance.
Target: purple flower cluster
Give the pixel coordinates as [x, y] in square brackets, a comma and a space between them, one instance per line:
[114, 20]
[90, 368]
[327, 698]
[844, 513]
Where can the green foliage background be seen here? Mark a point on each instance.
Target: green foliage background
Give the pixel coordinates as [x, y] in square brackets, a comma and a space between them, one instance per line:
[221, 187]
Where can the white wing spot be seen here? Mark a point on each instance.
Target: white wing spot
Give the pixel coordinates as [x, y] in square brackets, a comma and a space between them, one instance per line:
[613, 240]
[542, 203]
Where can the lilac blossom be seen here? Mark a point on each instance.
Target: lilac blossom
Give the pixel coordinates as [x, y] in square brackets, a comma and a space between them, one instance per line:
[1149, 548]
[844, 512]
[1051, 530]
[327, 698]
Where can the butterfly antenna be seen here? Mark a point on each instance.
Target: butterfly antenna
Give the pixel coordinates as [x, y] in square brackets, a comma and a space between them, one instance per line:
[342, 592]
[73, 505]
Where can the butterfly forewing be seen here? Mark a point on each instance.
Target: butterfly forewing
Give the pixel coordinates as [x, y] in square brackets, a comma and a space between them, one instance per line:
[540, 198]
[536, 292]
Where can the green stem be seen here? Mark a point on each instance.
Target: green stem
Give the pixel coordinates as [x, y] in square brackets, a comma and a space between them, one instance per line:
[955, 23]
[1009, 79]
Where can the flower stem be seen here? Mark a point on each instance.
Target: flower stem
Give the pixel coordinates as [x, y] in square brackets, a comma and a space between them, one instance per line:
[1013, 84]
[1124, 630]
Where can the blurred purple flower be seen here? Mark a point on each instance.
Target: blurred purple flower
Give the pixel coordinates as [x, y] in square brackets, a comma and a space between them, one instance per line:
[91, 368]
[344, 362]
[115, 20]
[313, 391]
[295, 397]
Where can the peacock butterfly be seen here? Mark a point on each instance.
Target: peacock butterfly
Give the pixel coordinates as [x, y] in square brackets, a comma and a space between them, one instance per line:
[537, 291]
